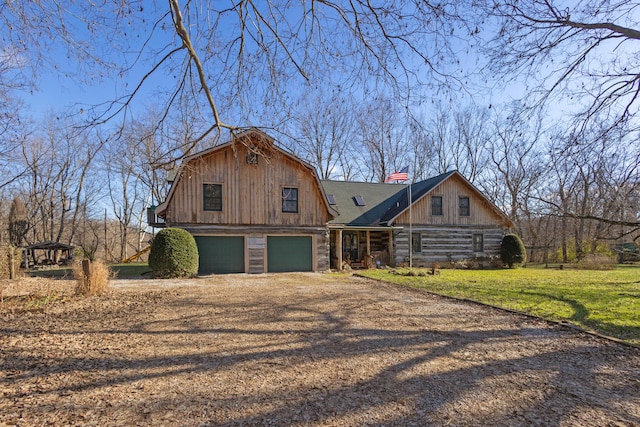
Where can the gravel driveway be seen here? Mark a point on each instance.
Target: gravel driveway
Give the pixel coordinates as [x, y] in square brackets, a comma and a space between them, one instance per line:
[304, 350]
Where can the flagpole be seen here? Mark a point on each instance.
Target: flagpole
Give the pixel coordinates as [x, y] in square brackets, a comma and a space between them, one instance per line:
[410, 232]
[399, 176]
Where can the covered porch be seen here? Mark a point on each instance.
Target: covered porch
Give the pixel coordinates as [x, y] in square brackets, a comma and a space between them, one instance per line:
[360, 247]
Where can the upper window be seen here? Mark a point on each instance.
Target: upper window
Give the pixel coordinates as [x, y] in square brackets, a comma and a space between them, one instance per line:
[212, 197]
[463, 206]
[436, 205]
[478, 243]
[252, 156]
[290, 199]
[359, 200]
[416, 242]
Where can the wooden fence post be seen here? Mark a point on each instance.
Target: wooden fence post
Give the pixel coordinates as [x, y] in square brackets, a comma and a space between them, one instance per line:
[86, 272]
[12, 268]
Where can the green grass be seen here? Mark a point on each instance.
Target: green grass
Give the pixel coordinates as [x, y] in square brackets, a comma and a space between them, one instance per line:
[132, 270]
[52, 273]
[607, 302]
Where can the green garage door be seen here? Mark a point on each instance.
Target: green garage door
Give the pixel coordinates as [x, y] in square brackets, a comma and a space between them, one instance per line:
[221, 254]
[289, 253]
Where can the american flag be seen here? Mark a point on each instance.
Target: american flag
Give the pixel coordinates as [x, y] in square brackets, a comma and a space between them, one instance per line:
[401, 175]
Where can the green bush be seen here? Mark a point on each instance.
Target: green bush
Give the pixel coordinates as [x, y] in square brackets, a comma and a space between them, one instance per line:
[512, 251]
[174, 253]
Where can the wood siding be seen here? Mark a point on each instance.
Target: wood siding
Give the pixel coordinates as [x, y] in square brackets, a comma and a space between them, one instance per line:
[447, 244]
[481, 212]
[251, 194]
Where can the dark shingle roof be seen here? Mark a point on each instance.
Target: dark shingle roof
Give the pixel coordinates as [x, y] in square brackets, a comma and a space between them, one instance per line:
[418, 190]
[383, 202]
[377, 200]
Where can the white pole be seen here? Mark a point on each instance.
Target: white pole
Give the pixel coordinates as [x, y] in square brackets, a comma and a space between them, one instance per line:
[410, 232]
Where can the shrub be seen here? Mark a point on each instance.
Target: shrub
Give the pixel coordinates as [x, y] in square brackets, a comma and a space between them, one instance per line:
[174, 253]
[596, 262]
[512, 251]
[96, 282]
[5, 261]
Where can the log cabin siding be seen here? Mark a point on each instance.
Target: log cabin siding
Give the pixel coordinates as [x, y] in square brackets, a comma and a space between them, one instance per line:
[481, 212]
[447, 244]
[251, 194]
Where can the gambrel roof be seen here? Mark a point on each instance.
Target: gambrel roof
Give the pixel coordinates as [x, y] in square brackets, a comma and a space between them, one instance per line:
[264, 143]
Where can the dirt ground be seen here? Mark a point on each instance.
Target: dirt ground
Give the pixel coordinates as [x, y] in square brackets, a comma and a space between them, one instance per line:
[303, 350]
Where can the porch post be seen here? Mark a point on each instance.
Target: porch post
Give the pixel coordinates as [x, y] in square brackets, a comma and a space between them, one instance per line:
[391, 256]
[339, 248]
[368, 237]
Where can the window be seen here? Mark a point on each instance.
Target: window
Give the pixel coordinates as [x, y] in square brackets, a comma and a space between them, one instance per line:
[290, 199]
[463, 206]
[332, 199]
[252, 158]
[436, 205]
[478, 243]
[358, 200]
[416, 242]
[252, 155]
[212, 197]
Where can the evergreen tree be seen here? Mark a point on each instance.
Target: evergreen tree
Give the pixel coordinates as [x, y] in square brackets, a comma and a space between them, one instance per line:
[18, 222]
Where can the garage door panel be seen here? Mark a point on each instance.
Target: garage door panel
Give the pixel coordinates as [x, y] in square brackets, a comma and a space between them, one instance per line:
[289, 253]
[220, 254]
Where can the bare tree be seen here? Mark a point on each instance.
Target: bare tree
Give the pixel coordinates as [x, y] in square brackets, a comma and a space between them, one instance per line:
[325, 134]
[515, 168]
[135, 181]
[58, 185]
[581, 59]
[592, 193]
[422, 150]
[383, 142]
[458, 139]
[585, 53]
[233, 60]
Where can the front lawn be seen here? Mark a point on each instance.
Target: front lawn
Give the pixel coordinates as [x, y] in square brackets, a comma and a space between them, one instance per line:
[132, 270]
[607, 302]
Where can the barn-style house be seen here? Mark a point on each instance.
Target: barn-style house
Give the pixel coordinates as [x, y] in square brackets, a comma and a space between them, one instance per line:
[253, 207]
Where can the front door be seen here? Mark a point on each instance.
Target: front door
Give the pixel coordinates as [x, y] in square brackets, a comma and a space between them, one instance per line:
[350, 246]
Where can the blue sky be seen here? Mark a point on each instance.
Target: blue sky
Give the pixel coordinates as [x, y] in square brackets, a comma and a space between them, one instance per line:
[67, 89]
[55, 91]
[65, 77]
